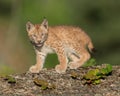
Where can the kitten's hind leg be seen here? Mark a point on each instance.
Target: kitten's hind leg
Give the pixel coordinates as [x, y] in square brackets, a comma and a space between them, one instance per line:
[79, 61]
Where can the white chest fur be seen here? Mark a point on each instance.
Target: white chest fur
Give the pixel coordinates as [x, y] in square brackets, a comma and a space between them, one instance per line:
[46, 49]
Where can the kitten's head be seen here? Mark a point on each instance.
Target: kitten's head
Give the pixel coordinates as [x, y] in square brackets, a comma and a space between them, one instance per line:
[37, 33]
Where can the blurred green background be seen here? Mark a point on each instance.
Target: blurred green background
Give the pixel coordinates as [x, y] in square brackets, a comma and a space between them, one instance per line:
[99, 18]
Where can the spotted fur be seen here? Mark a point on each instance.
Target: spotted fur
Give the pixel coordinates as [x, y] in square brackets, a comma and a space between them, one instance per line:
[66, 41]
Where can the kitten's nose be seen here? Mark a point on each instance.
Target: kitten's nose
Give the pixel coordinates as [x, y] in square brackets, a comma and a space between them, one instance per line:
[38, 39]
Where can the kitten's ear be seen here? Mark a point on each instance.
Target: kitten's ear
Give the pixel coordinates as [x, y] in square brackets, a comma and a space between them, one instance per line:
[45, 24]
[29, 26]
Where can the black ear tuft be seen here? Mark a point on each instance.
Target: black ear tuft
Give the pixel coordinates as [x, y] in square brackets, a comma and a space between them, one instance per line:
[45, 23]
[29, 26]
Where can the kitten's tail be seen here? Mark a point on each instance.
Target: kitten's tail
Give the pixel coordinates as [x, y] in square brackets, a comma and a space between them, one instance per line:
[91, 47]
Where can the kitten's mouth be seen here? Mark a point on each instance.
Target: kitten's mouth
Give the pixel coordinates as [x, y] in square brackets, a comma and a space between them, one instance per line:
[39, 44]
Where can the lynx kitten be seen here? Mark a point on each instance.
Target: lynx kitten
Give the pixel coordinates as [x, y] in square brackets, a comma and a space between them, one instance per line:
[66, 41]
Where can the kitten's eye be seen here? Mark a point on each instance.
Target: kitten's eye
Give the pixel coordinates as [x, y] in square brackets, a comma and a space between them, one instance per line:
[34, 36]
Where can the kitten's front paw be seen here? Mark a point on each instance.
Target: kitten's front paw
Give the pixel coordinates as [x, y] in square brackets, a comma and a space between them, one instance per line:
[60, 69]
[34, 69]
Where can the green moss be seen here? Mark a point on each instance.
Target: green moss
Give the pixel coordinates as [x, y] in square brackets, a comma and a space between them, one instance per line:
[44, 84]
[94, 76]
[10, 79]
[90, 62]
[107, 70]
